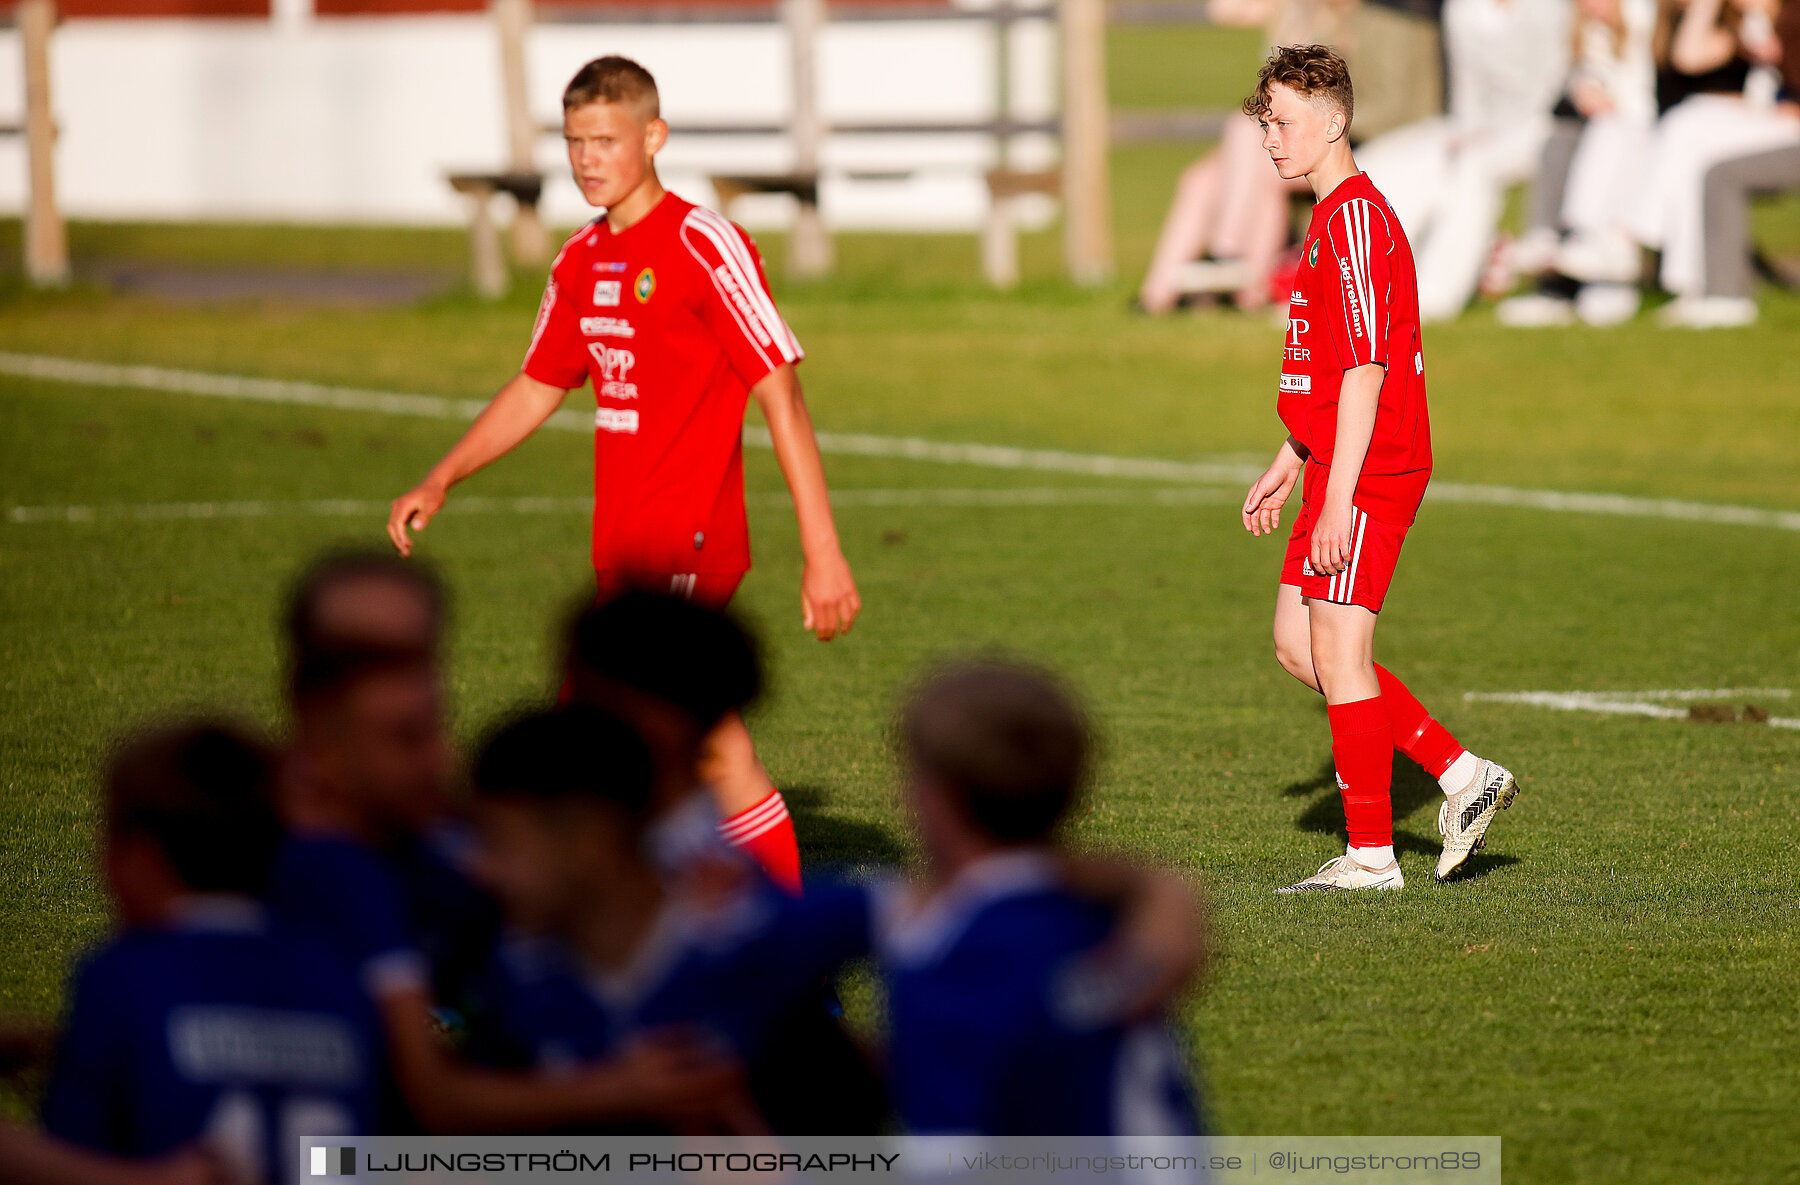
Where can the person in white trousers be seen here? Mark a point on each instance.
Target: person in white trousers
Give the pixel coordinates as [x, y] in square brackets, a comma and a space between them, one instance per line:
[1446, 178]
[1704, 129]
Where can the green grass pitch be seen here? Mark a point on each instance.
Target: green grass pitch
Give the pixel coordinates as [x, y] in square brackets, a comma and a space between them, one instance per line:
[1612, 989]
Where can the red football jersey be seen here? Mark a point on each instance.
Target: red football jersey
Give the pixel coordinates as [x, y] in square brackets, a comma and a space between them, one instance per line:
[1356, 302]
[673, 320]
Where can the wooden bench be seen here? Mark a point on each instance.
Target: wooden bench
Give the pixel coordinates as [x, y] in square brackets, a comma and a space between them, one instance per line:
[487, 263]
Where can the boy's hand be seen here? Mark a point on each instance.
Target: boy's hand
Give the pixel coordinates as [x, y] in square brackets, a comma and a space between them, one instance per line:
[828, 599]
[414, 509]
[681, 1079]
[1262, 505]
[1331, 538]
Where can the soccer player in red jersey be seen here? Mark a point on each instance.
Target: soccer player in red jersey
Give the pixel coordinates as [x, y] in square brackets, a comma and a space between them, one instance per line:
[665, 306]
[1353, 399]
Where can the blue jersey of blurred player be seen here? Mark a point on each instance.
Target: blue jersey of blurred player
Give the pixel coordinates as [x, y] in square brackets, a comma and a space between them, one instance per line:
[998, 1027]
[610, 950]
[204, 1020]
[367, 772]
[1003, 1019]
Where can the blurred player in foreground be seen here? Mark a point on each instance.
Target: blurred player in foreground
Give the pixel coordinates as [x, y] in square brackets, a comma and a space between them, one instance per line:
[672, 669]
[1026, 985]
[665, 306]
[610, 951]
[1353, 400]
[365, 796]
[205, 1021]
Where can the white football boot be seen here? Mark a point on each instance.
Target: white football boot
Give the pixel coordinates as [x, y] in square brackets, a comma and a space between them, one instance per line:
[1463, 819]
[1343, 873]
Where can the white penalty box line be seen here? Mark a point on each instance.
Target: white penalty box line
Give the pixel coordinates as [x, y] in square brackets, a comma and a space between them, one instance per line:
[280, 391]
[1655, 704]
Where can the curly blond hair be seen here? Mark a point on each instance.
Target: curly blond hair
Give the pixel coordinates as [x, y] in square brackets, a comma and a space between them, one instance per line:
[1310, 71]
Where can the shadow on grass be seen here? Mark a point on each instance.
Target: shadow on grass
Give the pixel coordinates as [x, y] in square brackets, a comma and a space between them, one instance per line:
[1412, 790]
[827, 839]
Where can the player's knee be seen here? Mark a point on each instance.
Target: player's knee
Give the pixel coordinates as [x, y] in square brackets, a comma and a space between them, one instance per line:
[1293, 650]
[1295, 660]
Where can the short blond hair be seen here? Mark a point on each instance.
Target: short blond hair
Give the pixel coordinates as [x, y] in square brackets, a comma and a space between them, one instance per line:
[1310, 71]
[613, 79]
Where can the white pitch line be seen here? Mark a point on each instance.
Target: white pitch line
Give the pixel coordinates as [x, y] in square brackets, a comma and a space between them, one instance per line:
[1634, 703]
[226, 386]
[843, 498]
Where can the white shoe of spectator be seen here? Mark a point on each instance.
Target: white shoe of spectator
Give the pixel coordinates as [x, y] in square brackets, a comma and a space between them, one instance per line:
[1600, 257]
[1607, 304]
[1534, 310]
[1708, 312]
[1533, 252]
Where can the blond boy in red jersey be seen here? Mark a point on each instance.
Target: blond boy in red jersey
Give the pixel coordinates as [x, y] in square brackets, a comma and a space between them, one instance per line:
[664, 305]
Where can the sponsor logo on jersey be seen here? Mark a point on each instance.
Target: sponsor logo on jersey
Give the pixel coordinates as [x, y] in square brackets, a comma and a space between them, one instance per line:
[606, 292]
[1418, 362]
[1296, 382]
[1351, 299]
[615, 365]
[611, 265]
[1294, 351]
[740, 300]
[1312, 254]
[1296, 298]
[607, 327]
[645, 286]
[226, 1043]
[617, 419]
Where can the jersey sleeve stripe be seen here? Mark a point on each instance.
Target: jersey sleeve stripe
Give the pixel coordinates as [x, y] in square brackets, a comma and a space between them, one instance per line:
[737, 314]
[1356, 258]
[1387, 306]
[1368, 276]
[743, 269]
[708, 225]
[771, 316]
[1340, 249]
[545, 306]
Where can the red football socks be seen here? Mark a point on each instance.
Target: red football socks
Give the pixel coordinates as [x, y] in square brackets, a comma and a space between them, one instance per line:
[766, 833]
[1363, 747]
[1416, 734]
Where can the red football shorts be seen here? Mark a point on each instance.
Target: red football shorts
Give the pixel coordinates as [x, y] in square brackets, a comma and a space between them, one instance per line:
[1374, 552]
[710, 590]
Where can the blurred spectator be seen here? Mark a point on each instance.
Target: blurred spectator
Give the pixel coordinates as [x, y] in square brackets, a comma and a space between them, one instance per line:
[1230, 206]
[1729, 186]
[1446, 178]
[1593, 167]
[203, 1020]
[1395, 50]
[1745, 79]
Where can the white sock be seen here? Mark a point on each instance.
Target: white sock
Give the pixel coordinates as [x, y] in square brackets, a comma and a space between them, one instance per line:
[1373, 858]
[1456, 779]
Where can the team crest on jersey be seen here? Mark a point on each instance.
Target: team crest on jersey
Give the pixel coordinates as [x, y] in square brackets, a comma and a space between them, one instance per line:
[646, 284]
[1312, 254]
